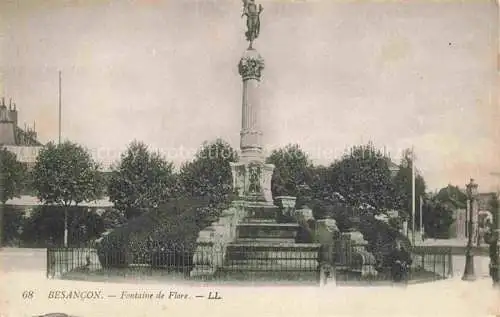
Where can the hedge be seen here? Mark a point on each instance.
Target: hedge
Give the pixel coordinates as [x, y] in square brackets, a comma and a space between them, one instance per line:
[156, 235]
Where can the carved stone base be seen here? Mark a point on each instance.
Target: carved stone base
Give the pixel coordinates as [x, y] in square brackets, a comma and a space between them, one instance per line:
[252, 180]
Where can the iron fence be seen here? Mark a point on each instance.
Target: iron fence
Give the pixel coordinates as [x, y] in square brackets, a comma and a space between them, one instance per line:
[243, 264]
[353, 265]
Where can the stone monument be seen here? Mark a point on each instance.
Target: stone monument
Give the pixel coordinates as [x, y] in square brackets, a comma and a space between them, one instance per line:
[252, 177]
[248, 238]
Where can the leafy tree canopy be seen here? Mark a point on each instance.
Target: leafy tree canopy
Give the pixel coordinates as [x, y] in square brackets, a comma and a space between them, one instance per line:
[209, 174]
[141, 179]
[293, 174]
[66, 174]
[437, 218]
[362, 176]
[12, 174]
[452, 195]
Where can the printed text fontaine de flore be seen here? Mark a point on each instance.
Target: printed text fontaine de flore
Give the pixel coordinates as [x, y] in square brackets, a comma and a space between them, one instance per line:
[85, 295]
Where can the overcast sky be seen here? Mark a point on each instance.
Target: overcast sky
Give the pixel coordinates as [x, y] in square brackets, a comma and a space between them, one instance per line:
[337, 74]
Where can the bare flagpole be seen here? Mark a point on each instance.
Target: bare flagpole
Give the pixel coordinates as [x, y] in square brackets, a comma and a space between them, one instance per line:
[59, 142]
[413, 194]
[421, 218]
[60, 110]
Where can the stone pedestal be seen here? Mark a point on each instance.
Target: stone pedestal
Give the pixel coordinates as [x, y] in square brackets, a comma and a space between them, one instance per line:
[252, 180]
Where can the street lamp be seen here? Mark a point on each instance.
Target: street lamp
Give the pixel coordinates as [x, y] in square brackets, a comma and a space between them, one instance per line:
[469, 275]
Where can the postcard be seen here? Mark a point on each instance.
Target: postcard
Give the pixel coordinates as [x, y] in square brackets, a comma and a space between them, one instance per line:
[249, 158]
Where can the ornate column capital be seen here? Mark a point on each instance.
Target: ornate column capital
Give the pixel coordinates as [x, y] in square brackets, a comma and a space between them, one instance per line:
[251, 65]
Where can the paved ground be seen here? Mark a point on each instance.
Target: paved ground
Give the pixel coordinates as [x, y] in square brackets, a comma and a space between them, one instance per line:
[24, 270]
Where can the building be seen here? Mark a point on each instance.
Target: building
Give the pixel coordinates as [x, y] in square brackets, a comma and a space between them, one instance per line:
[22, 142]
[393, 167]
[484, 201]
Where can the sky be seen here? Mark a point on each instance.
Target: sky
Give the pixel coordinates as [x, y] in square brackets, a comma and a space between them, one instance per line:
[338, 73]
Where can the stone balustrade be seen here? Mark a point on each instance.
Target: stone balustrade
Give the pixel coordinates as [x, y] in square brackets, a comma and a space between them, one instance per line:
[352, 254]
[212, 241]
[287, 205]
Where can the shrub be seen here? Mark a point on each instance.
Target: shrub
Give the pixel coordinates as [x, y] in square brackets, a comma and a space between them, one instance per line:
[381, 236]
[156, 235]
[113, 218]
[14, 218]
[341, 213]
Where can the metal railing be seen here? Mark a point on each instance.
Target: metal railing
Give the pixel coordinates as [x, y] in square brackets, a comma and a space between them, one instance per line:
[428, 264]
[67, 262]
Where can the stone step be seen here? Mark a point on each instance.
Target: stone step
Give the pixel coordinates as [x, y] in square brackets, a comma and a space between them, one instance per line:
[270, 246]
[284, 226]
[272, 252]
[271, 256]
[271, 278]
[267, 230]
[273, 241]
[258, 220]
[268, 265]
[262, 212]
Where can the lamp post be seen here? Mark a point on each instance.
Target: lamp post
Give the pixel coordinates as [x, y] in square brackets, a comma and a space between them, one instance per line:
[469, 275]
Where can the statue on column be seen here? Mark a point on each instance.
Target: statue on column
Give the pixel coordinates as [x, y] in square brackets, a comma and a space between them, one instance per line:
[252, 12]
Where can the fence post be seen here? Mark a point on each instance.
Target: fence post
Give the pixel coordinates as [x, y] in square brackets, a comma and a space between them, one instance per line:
[326, 263]
[450, 263]
[434, 264]
[444, 258]
[47, 259]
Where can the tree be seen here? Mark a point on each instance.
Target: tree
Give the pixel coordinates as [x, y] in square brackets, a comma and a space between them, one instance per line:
[493, 207]
[437, 217]
[209, 175]
[362, 177]
[140, 180]
[11, 181]
[65, 175]
[403, 187]
[452, 195]
[293, 174]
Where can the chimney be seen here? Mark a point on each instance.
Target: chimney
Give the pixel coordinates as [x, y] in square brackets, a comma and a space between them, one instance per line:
[12, 113]
[3, 101]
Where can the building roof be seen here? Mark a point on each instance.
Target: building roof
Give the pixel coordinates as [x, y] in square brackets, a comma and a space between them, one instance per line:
[28, 138]
[34, 201]
[392, 166]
